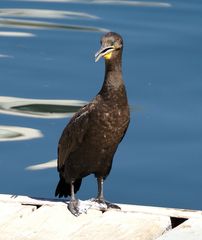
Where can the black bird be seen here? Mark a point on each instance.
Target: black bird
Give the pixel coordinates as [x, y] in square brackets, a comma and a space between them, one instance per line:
[90, 140]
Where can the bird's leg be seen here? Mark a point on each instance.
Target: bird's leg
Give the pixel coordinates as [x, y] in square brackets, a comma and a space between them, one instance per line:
[100, 198]
[73, 203]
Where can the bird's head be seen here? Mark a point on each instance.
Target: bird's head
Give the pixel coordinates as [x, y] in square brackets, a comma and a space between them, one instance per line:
[111, 46]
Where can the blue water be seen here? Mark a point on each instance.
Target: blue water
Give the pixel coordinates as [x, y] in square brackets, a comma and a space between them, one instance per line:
[159, 161]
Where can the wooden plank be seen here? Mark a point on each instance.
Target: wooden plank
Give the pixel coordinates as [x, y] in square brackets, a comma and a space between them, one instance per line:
[24, 211]
[189, 230]
[8, 210]
[6, 198]
[47, 222]
[172, 212]
[56, 222]
[53, 221]
[120, 226]
[11, 211]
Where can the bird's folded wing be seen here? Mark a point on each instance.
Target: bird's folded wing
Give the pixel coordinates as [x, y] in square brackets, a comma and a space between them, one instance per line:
[126, 124]
[73, 134]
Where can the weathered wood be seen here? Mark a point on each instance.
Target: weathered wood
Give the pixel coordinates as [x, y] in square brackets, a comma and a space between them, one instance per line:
[7, 210]
[6, 198]
[118, 225]
[189, 230]
[47, 222]
[56, 222]
[11, 211]
[23, 217]
[171, 212]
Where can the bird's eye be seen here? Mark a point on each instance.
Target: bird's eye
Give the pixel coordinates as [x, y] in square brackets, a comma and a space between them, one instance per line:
[112, 42]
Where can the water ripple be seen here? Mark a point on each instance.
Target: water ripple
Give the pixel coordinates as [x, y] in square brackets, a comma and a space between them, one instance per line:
[44, 13]
[9, 22]
[134, 3]
[13, 133]
[39, 108]
[5, 56]
[16, 34]
[112, 2]
[42, 166]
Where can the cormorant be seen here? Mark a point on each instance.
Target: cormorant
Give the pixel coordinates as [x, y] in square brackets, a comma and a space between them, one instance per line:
[90, 140]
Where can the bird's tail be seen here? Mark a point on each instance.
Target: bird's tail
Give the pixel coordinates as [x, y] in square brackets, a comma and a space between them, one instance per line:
[63, 189]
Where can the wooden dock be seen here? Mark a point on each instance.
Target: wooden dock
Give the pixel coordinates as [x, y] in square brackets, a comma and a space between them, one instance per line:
[24, 218]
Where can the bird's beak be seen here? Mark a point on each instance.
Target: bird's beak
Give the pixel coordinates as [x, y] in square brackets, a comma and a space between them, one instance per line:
[105, 52]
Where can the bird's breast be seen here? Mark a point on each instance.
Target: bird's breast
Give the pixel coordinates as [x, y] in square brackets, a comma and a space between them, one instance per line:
[109, 124]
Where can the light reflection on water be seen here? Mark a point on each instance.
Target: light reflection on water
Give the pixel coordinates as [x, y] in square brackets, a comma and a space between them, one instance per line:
[16, 34]
[5, 56]
[10, 17]
[44, 13]
[39, 108]
[47, 25]
[133, 3]
[14, 133]
[43, 166]
[112, 2]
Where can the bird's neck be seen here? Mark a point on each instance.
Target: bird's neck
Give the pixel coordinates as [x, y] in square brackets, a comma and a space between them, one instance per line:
[113, 88]
[113, 75]
[114, 65]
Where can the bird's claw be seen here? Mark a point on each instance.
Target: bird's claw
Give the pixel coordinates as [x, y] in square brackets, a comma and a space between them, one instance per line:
[104, 205]
[112, 205]
[77, 207]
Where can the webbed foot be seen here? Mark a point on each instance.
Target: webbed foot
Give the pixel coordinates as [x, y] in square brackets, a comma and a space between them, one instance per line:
[74, 208]
[105, 205]
[112, 205]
